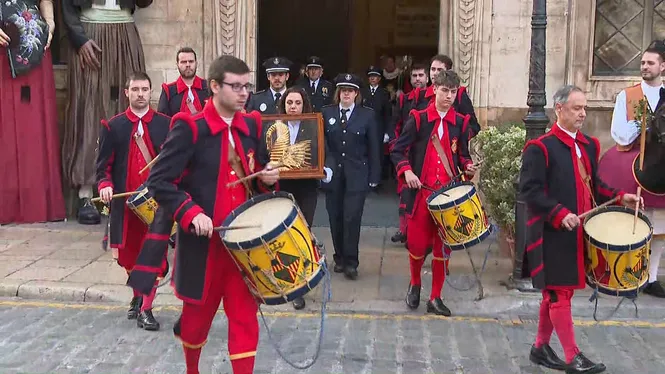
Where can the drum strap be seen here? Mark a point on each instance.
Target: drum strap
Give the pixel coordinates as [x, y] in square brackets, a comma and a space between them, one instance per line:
[585, 178]
[190, 106]
[444, 160]
[236, 165]
[142, 147]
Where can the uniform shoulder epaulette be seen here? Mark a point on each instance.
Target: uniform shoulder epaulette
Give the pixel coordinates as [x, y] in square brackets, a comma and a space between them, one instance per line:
[259, 92]
[329, 106]
[367, 107]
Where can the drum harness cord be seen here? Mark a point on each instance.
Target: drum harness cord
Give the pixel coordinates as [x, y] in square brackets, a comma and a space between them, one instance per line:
[326, 297]
[594, 299]
[478, 275]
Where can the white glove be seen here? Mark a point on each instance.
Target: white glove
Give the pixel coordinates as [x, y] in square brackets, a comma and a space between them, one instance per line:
[386, 138]
[373, 185]
[329, 174]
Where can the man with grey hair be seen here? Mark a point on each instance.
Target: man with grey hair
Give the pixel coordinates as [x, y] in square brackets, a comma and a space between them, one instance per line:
[553, 166]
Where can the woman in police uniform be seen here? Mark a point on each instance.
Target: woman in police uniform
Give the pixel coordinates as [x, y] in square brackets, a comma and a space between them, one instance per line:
[352, 166]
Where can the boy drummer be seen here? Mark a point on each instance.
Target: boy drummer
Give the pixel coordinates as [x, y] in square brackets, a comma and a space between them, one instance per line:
[432, 148]
[127, 143]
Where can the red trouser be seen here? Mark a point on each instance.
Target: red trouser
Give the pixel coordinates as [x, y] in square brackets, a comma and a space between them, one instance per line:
[225, 283]
[555, 314]
[422, 233]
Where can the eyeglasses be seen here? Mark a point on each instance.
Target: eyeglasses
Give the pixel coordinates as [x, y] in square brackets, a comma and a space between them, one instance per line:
[237, 87]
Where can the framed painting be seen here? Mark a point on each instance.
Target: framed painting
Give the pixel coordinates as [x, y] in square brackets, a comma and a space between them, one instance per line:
[296, 142]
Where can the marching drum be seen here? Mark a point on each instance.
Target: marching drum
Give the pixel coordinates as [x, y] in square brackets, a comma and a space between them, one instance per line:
[143, 204]
[459, 214]
[278, 258]
[617, 260]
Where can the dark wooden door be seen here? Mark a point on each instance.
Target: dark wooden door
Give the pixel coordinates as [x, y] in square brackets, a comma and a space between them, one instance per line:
[296, 29]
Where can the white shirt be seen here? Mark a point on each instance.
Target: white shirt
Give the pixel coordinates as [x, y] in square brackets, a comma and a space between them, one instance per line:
[139, 129]
[440, 130]
[572, 135]
[190, 94]
[228, 122]
[625, 132]
[348, 114]
[372, 89]
[280, 92]
[316, 84]
[294, 127]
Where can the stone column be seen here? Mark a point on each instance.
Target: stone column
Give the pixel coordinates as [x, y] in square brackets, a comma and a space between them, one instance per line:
[231, 29]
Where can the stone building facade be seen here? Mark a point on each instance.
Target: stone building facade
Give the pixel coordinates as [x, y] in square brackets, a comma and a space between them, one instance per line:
[594, 44]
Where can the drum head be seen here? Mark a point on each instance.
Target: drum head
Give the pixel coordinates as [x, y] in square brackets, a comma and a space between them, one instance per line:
[268, 214]
[615, 228]
[454, 193]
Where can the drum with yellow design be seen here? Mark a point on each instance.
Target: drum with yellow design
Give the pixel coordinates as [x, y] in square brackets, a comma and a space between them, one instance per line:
[617, 261]
[459, 215]
[278, 258]
[143, 204]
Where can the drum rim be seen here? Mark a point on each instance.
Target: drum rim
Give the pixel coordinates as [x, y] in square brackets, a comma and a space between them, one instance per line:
[478, 240]
[297, 292]
[267, 237]
[619, 293]
[614, 247]
[635, 163]
[451, 204]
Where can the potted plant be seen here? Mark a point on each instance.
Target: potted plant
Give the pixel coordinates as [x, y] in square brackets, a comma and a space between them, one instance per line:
[500, 148]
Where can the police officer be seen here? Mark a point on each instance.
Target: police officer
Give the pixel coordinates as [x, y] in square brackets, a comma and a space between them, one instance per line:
[277, 71]
[352, 167]
[377, 97]
[320, 91]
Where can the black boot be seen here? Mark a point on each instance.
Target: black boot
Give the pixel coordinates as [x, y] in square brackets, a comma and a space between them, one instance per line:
[147, 321]
[655, 289]
[88, 214]
[413, 296]
[134, 307]
[546, 357]
[399, 237]
[298, 303]
[582, 365]
[437, 307]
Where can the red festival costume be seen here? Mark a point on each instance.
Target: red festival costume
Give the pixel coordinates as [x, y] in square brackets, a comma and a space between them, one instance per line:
[176, 98]
[553, 186]
[199, 149]
[415, 151]
[118, 164]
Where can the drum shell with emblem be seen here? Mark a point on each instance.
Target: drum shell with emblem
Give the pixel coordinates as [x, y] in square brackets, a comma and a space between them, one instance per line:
[460, 216]
[617, 261]
[279, 259]
[144, 205]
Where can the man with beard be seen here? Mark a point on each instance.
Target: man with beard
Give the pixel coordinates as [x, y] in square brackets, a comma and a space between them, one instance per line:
[617, 163]
[400, 114]
[188, 93]
[127, 143]
[319, 90]
[277, 71]
[106, 49]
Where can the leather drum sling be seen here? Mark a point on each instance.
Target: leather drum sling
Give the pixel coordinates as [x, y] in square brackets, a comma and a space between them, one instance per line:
[236, 165]
[586, 179]
[444, 160]
[190, 106]
[142, 147]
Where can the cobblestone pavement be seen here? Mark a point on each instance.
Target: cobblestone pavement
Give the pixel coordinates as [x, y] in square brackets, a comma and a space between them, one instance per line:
[97, 338]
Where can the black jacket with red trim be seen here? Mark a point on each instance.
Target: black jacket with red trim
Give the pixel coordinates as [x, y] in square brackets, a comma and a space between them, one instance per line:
[551, 186]
[411, 147]
[190, 178]
[405, 104]
[174, 95]
[462, 105]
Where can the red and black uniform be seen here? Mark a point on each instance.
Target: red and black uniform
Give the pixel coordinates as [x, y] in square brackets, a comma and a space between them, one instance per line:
[552, 186]
[118, 164]
[175, 96]
[191, 178]
[414, 150]
[462, 105]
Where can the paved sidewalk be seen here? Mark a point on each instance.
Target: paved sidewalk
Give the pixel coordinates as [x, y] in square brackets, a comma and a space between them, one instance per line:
[64, 262]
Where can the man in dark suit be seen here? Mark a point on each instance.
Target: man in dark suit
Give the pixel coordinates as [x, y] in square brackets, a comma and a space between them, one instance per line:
[377, 97]
[277, 71]
[352, 167]
[320, 91]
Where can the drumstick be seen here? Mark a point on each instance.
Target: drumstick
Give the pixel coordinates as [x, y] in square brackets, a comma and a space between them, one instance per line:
[252, 176]
[150, 164]
[123, 194]
[637, 208]
[598, 207]
[238, 227]
[430, 189]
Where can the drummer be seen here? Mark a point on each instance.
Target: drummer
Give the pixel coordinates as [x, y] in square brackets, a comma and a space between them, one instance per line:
[212, 149]
[417, 160]
[554, 182]
[127, 143]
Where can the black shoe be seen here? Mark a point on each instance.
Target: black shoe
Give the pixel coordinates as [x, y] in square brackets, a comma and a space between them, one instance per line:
[298, 303]
[582, 365]
[147, 321]
[436, 306]
[655, 289]
[88, 214]
[351, 273]
[176, 327]
[134, 307]
[413, 296]
[399, 237]
[546, 357]
[338, 268]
